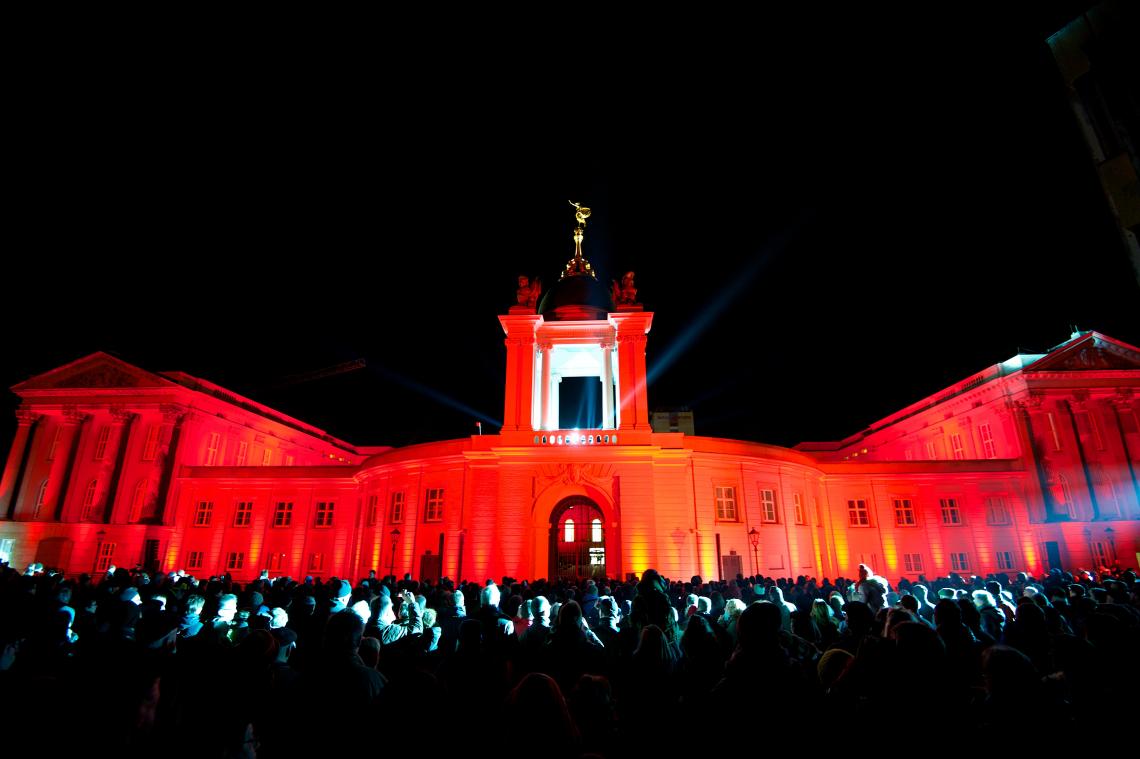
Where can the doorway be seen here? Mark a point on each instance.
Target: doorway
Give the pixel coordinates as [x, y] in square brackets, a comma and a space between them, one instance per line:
[577, 540]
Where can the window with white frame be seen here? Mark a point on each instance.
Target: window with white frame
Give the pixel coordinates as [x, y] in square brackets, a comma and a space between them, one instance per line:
[243, 453]
[957, 447]
[41, 495]
[726, 503]
[989, 450]
[433, 506]
[596, 531]
[195, 559]
[276, 562]
[204, 514]
[904, 512]
[266, 457]
[89, 500]
[289, 459]
[768, 506]
[283, 514]
[568, 531]
[858, 514]
[1104, 553]
[324, 514]
[997, 512]
[101, 442]
[396, 511]
[235, 560]
[1067, 493]
[798, 504]
[212, 449]
[1094, 430]
[150, 444]
[959, 562]
[931, 450]
[1053, 431]
[316, 562]
[1005, 559]
[951, 514]
[138, 500]
[373, 509]
[912, 563]
[243, 514]
[55, 443]
[106, 554]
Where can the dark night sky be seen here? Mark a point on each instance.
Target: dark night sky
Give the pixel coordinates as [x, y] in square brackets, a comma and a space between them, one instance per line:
[828, 222]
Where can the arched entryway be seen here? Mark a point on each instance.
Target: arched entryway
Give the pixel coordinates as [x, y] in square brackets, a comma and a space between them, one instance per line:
[577, 539]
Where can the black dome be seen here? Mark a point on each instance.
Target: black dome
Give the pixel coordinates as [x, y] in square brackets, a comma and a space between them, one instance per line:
[575, 298]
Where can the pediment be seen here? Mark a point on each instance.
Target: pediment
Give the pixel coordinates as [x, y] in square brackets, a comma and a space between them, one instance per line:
[99, 370]
[1092, 352]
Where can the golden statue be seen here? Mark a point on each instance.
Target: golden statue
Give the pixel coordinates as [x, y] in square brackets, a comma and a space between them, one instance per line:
[581, 214]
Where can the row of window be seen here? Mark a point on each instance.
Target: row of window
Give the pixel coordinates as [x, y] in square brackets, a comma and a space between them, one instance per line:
[433, 507]
[858, 515]
[726, 511]
[959, 562]
[325, 511]
[235, 561]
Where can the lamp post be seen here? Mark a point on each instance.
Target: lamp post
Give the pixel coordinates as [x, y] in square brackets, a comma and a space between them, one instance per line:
[392, 565]
[754, 539]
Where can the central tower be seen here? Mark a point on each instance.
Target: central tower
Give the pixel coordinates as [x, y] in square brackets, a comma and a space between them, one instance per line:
[576, 330]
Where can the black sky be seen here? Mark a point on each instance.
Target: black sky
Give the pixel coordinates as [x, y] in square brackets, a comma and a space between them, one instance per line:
[828, 221]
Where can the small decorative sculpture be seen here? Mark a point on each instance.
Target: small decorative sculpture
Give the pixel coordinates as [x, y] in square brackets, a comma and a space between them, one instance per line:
[528, 292]
[626, 293]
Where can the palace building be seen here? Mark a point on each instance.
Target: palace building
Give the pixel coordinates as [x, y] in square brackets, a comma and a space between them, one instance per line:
[1028, 464]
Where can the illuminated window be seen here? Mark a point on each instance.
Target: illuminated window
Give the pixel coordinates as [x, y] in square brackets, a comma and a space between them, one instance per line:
[996, 510]
[204, 514]
[989, 450]
[54, 443]
[289, 460]
[101, 442]
[1094, 428]
[726, 503]
[568, 531]
[1053, 430]
[951, 514]
[1104, 553]
[106, 553]
[7, 545]
[931, 450]
[195, 560]
[243, 453]
[150, 445]
[433, 509]
[243, 514]
[768, 506]
[324, 514]
[276, 562]
[798, 503]
[89, 500]
[138, 500]
[912, 563]
[1067, 493]
[40, 496]
[596, 531]
[212, 449]
[957, 447]
[235, 560]
[904, 512]
[316, 562]
[858, 515]
[1005, 560]
[396, 512]
[373, 509]
[283, 514]
[266, 457]
[959, 562]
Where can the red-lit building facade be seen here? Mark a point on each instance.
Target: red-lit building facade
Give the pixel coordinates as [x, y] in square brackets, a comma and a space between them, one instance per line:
[1029, 463]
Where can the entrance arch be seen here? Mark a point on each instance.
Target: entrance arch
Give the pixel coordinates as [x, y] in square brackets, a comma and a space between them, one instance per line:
[577, 539]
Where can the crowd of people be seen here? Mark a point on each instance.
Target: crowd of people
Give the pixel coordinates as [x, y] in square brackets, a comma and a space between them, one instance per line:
[168, 665]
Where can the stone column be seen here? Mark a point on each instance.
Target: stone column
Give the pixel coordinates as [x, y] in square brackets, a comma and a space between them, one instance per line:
[17, 461]
[545, 351]
[1121, 404]
[555, 381]
[100, 508]
[607, 387]
[174, 419]
[61, 465]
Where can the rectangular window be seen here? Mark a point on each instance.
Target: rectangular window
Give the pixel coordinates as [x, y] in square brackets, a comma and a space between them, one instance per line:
[957, 447]
[289, 460]
[266, 457]
[1053, 430]
[1005, 559]
[7, 545]
[276, 562]
[904, 512]
[396, 514]
[959, 562]
[433, 508]
[951, 514]
[908, 454]
[106, 553]
[212, 449]
[798, 503]
[316, 562]
[1094, 429]
[203, 514]
[324, 514]
[101, 442]
[912, 563]
[931, 450]
[195, 559]
[150, 445]
[235, 560]
[996, 510]
[243, 514]
[54, 443]
[243, 453]
[989, 450]
[1104, 553]
[726, 503]
[283, 514]
[373, 507]
[858, 514]
[768, 506]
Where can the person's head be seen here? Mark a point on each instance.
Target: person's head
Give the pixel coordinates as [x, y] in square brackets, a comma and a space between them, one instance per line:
[540, 608]
[523, 280]
[704, 604]
[608, 609]
[363, 610]
[570, 616]
[385, 613]
[278, 618]
[489, 596]
[864, 572]
[983, 599]
[227, 607]
[343, 632]
[759, 624]
[430, 617]
[341, 591]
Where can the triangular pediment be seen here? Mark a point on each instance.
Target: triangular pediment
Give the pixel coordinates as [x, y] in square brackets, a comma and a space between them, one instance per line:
[1091, 351]
[99, 370]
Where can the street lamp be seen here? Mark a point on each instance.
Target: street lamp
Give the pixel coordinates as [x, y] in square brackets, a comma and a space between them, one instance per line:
[392, 566]
[754, 539]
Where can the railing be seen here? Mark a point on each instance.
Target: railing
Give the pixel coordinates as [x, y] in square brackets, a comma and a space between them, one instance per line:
[576, 437]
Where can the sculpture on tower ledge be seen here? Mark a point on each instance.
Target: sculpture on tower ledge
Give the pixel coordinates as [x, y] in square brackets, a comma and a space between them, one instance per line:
[527, 294]
[625, 294]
